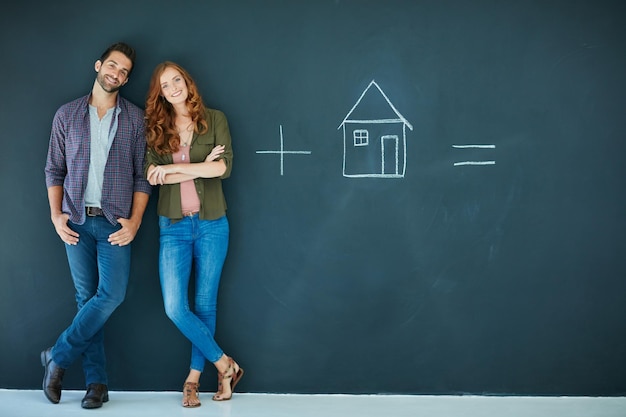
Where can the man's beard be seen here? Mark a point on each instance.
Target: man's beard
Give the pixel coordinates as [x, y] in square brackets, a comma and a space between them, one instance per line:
[105, 86]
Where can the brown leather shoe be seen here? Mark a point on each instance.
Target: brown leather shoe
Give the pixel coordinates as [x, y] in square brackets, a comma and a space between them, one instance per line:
[95, 396]
[52, 377]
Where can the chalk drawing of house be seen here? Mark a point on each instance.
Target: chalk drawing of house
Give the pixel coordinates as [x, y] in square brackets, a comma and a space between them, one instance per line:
[374, 137]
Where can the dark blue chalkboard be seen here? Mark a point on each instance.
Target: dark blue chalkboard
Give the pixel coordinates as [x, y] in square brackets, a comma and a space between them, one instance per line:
[427, 196]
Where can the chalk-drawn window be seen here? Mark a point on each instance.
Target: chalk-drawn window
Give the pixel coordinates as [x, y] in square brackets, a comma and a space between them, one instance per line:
[361, 137]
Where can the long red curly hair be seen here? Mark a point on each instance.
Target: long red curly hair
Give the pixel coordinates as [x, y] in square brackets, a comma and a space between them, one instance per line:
[161, 132]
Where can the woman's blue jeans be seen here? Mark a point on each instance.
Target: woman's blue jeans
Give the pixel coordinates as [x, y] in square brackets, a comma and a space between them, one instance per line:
[100, 273]
[203, 244]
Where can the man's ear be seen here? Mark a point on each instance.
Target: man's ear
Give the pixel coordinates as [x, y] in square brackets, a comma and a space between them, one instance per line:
[97, 65]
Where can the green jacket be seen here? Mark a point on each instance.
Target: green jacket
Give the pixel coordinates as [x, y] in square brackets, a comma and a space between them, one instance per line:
[212, 200]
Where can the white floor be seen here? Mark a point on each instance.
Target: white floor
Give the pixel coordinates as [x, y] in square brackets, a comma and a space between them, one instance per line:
[20, 403]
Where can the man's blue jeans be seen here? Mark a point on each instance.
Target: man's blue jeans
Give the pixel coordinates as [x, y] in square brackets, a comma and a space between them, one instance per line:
[100, 272]
[203, 244]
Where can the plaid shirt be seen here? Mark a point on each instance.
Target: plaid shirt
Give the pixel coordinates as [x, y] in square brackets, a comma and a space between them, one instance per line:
[67, 163]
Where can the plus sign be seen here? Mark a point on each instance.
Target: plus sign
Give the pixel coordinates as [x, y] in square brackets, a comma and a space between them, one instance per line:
[282, 151]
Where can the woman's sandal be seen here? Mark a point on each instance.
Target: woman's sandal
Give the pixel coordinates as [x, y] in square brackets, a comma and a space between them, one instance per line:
[190, 395]
[231, 374]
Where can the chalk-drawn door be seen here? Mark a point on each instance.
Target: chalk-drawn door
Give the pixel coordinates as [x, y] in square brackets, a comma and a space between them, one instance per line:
[390, 151]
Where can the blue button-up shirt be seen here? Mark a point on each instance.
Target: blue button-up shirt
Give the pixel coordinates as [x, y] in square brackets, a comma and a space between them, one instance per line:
[67, 163]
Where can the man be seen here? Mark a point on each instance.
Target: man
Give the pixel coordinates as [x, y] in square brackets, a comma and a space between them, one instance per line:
[97, 195]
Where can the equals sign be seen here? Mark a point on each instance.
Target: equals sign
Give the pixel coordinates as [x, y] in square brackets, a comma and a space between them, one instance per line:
[461, 163]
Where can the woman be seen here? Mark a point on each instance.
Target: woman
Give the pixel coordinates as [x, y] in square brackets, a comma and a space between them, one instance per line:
[189, 153]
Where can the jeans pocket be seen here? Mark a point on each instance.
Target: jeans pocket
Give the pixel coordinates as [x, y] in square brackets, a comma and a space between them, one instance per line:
[164, 222]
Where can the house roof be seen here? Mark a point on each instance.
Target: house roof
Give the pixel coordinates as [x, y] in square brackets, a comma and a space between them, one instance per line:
[370, 103]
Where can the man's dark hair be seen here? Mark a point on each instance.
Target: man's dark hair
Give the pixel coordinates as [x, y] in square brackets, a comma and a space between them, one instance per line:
[123, 48]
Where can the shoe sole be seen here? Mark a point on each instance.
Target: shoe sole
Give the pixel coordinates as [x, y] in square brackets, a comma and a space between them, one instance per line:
[96, 405]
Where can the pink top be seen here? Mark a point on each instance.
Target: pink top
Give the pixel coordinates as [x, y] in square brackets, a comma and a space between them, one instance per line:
[189, 201]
